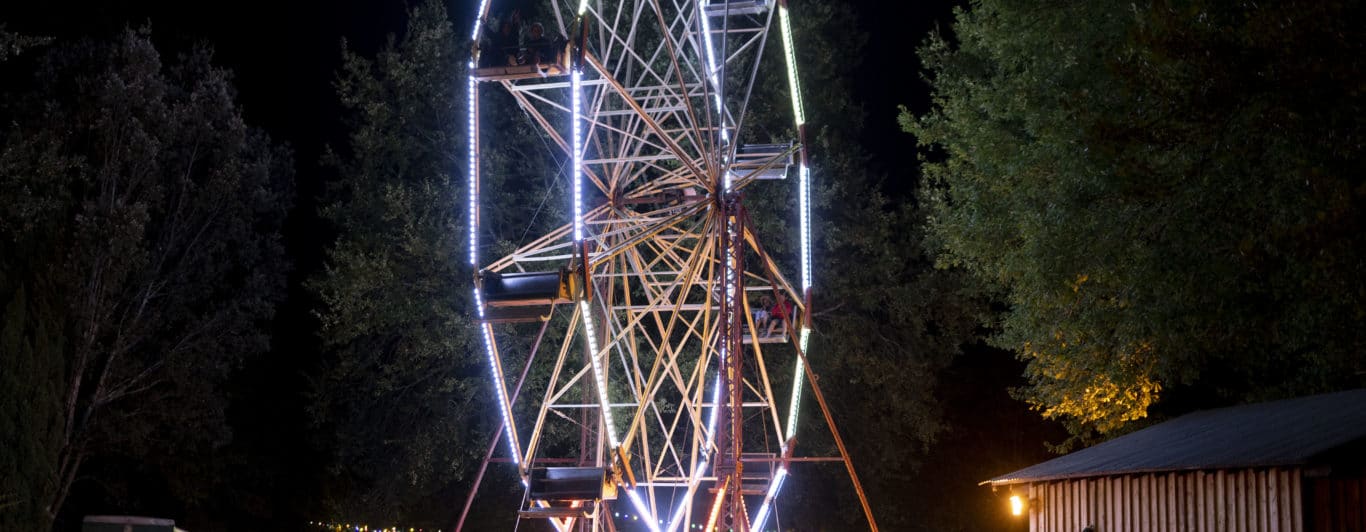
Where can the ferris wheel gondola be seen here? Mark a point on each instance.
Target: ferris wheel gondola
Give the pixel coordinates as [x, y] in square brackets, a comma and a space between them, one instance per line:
[656, 267]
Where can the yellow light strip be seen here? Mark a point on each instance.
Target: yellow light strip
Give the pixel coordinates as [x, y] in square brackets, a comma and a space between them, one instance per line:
[716, 506]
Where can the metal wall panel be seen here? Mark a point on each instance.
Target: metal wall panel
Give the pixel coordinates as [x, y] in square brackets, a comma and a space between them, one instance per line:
[1247, 500]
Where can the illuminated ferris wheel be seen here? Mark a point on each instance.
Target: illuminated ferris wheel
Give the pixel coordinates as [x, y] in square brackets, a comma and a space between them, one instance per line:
[674, 316]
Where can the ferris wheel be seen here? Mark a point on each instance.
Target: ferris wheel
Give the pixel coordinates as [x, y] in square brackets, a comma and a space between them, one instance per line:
[674, 317]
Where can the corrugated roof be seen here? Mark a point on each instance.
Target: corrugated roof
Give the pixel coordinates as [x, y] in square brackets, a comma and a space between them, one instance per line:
[1277, 433]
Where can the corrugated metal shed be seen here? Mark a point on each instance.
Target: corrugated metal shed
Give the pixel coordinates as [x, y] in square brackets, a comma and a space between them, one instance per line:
[1277, 433]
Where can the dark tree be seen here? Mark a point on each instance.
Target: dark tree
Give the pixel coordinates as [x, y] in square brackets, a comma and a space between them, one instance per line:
[140, 261]
[1169, 193]
[404, 389]
[399, 384]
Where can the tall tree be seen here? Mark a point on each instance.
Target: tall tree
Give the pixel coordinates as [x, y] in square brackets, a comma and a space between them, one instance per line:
[141, 260]
[404, 387]
[1169, 192]
[31, 365]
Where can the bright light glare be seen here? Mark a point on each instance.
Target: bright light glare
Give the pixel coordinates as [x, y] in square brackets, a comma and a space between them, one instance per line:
[1016, 505]
[715, 406]
[762, 516]
[583, 7]
[641, 509]
[798, 376]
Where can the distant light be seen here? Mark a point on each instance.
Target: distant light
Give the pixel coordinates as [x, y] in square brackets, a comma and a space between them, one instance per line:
[1017, 505]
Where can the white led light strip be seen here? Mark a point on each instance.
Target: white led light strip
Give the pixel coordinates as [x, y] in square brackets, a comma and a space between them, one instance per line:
[711, 74]
[479, 19]
[804, 207]
[576, 82]
[599, 376]
[790, 53]
[762, 516]
[473, 168]
[798, 379]
[495, 369]
[804, 224]
[641, 509]
[706, 453]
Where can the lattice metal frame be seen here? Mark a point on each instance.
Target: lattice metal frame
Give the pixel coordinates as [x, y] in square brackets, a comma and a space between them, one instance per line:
[651, 117]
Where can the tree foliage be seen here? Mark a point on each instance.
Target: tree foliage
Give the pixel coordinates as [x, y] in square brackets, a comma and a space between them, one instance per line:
[139, 259]
[405, 386]
[13, 44]
[396, 386]
[1169, 193]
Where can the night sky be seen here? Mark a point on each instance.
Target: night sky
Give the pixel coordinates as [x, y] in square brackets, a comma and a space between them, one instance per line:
[285, 55]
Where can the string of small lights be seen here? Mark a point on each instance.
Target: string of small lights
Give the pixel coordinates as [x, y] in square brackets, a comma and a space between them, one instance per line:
[631, 518]
[360, 527]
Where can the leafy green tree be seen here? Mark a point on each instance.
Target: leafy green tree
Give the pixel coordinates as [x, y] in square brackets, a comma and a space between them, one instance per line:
[140, 256]
[1168, 193]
